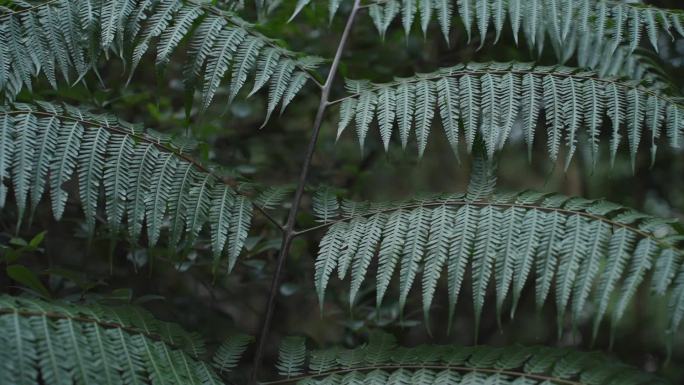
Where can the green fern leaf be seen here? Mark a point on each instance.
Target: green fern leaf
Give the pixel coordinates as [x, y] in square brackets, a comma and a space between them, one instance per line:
[199, 201]
[116, 177]
[394, 235]
[437, 252]
[68, 143]
[620, 242]
[460, 248]
[425, 110]
[665, 270]
[230, 351]
[291, 356]
[219, 214]
[91, 166]
[218, 60]
[489, 98]
[143, 163]
[241, 217]
[469, 99]
[159, 195]
[7, 147]
[484, 252]
[366, 251]
[266, 66]
[412, 253]
[278, 85]
[325, 204]
[507, 254]
[329, 251]
[24, 141]
[200, 47]
[405, 104]
[156, 24]
[44, 155]
[365, 109]
[386, 114]
[447, 99]
[171, 37]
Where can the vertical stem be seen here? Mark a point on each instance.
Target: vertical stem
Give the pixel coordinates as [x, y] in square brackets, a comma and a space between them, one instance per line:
[289, 230]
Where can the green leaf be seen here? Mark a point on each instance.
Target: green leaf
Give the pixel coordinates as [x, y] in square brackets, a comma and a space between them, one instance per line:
[24, 276]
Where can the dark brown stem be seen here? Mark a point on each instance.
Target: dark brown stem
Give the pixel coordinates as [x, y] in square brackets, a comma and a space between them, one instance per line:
[289, 233]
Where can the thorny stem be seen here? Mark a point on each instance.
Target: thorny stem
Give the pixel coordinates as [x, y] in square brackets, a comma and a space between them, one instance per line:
[289, 232]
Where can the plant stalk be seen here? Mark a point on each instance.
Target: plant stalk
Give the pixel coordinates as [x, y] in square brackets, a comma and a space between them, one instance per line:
[290, 232]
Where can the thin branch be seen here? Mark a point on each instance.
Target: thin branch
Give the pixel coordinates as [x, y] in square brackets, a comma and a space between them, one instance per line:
[289, 232]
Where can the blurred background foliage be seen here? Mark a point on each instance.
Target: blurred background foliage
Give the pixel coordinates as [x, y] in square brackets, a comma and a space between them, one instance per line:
[178, 284]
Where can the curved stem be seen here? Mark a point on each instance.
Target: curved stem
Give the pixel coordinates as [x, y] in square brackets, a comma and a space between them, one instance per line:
[289, 232]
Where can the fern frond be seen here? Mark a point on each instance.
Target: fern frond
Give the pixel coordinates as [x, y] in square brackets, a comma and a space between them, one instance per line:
[325, 204]
[291, 356]
[382, 362]
[241, 219]
[592, 23]
[582, 249]
[74, 344]
[230, 351]
[61, 35]
[145, 179]
[488, 98]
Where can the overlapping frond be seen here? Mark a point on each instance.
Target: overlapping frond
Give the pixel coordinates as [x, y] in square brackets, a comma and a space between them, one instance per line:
[493, 99]
[66, 39]
[63, 344]
[568, 25]
[146, 178]
[381, 362]
[581, 250]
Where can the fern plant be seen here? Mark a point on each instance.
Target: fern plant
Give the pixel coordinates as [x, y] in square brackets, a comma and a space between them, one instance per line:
[381, 361]
[73, 72]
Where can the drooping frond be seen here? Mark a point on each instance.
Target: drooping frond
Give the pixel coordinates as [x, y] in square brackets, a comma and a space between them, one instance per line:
[582, 250]
[325, 204]
[145, 179]
[569, 25]
[60, 343]
[382, 362]
[67, 38]
[291, 356]
[493, 99]
[229, 353]
[273, 196]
